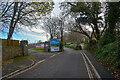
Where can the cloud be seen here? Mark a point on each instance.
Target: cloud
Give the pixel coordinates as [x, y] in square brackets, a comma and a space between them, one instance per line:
[35, 33]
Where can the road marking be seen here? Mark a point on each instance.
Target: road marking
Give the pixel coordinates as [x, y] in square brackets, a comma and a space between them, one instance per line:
[97, 74]
[52, 56]
[59, 52]
[41, 61]
[21, 71]
[25, 69]
[12, 74]
[1, 78]
[89, 74]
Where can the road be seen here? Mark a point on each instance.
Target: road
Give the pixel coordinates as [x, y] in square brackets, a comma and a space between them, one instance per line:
[69, 64]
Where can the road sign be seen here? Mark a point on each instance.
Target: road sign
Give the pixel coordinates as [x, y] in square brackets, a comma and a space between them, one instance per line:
[54, 45]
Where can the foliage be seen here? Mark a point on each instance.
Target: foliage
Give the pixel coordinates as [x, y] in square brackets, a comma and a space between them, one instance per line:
[78, 47]
[73, 46]
[112, 17]
[89, 15]
[67, 46]
[110, 54]
[112, 14]
[107, 38]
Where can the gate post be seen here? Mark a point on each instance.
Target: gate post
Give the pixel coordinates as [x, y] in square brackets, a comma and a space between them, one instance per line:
[24, 46]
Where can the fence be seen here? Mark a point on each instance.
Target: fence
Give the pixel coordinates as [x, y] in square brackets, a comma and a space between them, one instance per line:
[12, 43]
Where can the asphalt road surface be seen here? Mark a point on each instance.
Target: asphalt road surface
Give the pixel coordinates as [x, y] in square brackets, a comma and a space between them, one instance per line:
[69, 64]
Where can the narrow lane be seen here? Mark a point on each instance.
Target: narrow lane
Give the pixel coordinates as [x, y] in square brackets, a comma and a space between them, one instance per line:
[68, 64]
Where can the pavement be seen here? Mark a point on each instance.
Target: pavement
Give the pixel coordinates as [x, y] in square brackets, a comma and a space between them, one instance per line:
[8, 68]
[67, 64]
[16, 66]
[103, 71]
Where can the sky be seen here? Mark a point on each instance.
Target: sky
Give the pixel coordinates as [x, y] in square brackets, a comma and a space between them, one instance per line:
[35, 34]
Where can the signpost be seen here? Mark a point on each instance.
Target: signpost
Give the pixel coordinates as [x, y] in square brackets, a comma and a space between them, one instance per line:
[54, 45]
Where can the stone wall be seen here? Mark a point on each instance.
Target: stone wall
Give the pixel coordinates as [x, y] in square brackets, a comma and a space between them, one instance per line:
[11, 52]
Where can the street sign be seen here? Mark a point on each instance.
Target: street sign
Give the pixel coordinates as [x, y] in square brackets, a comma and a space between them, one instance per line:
[54, 45]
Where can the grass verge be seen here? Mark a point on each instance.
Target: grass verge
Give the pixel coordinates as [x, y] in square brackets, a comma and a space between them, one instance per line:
[41, 49]
[108, 55]
[17, 59]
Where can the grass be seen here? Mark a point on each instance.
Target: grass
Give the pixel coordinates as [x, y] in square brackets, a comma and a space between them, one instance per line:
[41, 49]
[17, 59]
[38, 48]
[22, 58]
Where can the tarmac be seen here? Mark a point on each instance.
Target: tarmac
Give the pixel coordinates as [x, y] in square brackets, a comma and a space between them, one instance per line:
[13, 67]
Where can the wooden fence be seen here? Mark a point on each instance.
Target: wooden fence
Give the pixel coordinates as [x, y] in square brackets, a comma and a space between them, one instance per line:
[11, 43]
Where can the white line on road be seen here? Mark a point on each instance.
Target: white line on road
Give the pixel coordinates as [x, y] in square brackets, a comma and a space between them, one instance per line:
[52, 56]
[23, 70]
[89, 74]
[29, 68]
[41, 61]
[97, 74]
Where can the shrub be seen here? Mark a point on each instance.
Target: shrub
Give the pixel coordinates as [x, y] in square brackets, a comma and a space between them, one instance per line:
[110, 54]
[73, 47]
[78, 47]
[107, 38]
[66, 45]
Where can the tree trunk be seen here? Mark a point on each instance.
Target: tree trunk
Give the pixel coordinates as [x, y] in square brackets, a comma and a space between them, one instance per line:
[51, 36]
[61, 45]
[97, 32]
[11, 28]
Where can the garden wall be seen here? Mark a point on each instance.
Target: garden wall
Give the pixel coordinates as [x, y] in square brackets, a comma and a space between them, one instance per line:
[11, 52]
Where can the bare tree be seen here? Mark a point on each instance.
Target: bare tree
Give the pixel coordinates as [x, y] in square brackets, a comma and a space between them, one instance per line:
[15, 14]
[50, 25]
[73, 37]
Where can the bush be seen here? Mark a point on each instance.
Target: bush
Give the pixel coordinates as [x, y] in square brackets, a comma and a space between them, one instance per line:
[66, 45]
[74, 46]
[78, 47]
[110, 54]
[107, 38]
